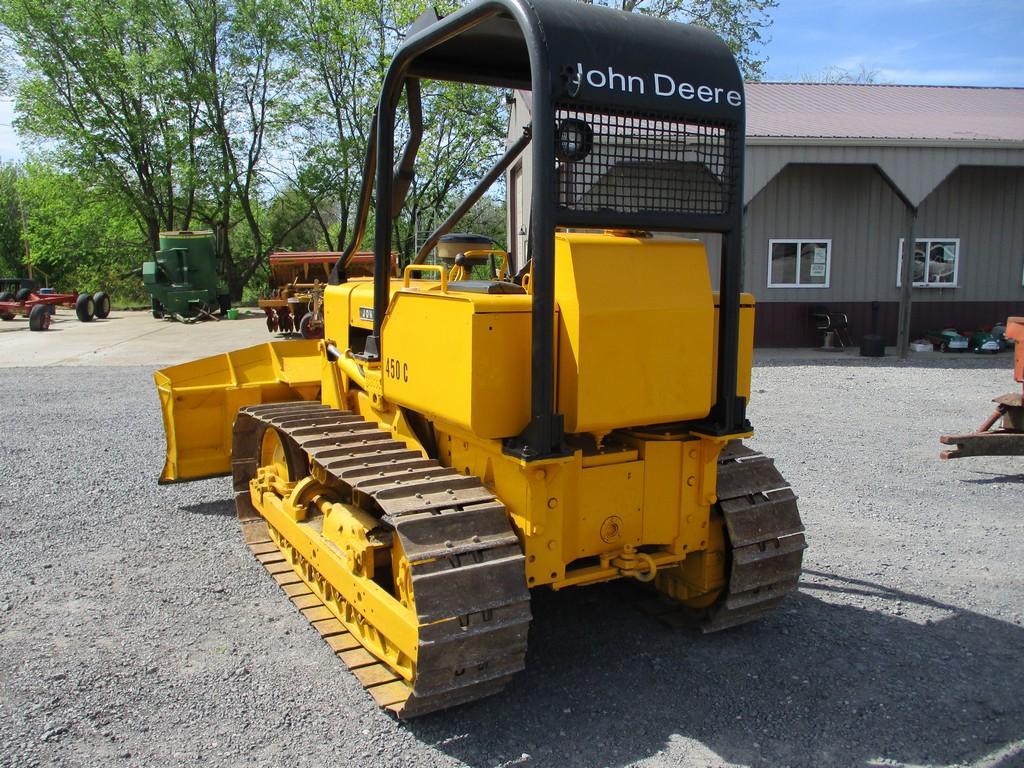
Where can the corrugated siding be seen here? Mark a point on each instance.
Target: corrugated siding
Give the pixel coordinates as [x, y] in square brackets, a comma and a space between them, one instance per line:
[855, 208]
[916, 171]
[852, 206]
[984, 207]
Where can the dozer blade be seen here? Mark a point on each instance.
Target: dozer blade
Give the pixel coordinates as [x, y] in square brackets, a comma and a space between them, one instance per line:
[200, 399]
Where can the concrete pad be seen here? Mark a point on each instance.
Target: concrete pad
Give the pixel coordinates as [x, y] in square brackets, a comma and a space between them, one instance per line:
[126, 338]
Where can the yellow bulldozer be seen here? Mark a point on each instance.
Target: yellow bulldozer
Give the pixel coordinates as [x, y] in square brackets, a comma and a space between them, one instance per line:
[452, 444]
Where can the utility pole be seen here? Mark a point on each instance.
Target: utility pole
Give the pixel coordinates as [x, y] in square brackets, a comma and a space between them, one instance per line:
[906, 285]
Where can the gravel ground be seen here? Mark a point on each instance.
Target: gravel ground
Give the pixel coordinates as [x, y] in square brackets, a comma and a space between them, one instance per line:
[136, 629]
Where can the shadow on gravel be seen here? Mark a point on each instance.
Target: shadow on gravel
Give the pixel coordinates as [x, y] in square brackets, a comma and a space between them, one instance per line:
[220, 508]
[824, 682]
[996, 478]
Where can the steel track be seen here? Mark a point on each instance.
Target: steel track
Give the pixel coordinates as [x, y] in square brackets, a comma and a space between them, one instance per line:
[765, 544]
[467, 566]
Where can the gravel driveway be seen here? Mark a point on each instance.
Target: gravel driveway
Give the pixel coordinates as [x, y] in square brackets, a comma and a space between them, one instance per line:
[136, 629]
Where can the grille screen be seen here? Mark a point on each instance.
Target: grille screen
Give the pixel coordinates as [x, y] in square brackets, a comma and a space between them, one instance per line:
[644, 164]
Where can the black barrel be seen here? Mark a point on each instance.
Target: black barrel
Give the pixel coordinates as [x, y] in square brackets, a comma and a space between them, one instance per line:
[871, 344]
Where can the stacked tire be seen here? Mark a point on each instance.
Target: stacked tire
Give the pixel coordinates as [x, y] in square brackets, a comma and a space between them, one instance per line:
[88, 307]
[102, 303]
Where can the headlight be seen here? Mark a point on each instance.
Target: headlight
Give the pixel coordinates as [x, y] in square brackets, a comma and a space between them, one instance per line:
[573, 140]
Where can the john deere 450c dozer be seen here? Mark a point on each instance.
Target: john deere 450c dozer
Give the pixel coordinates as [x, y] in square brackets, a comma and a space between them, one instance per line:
[452, 444]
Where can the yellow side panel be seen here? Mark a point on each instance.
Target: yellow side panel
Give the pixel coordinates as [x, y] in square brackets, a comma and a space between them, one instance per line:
[360, 306]
[336, 313]
[745, 356]
[635, 331]
[448, 361]
[610, 513]
[199, 400]
[662, 464]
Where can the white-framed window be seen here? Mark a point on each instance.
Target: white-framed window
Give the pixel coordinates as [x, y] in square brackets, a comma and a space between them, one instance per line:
[799, 263]
[936, 262]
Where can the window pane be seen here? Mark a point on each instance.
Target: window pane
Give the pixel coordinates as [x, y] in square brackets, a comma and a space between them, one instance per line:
[941, 262]
[783, 263]
[813, 263]
[919, 263]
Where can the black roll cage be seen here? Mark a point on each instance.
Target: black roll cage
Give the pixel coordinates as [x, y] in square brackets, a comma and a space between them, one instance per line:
[511, 44]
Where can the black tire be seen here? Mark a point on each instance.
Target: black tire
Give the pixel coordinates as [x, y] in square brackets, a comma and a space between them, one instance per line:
[23, 294]
[39, 318]
[85, 307]
[308, 330]
[102, 303]
[7, 296]
[158, 309]
[224, 302]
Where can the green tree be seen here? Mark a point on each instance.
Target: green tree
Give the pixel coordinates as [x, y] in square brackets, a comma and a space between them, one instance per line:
[487, 218]
[285, 208]
[347, 47]
[342, 49]
[12, 248]
[80, 236]
[464, 130]
[743, 24]
[96, 89]
[232, 55]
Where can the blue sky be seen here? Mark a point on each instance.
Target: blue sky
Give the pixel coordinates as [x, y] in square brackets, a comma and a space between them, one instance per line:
[917, 42]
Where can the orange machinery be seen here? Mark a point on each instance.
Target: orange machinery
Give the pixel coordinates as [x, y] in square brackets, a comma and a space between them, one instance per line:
[297, 278]
[1008, 438]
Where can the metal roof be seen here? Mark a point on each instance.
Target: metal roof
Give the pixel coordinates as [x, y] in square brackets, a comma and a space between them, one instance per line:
[888, 112]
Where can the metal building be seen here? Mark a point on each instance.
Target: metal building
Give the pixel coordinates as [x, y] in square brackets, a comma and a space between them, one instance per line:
[838, 177]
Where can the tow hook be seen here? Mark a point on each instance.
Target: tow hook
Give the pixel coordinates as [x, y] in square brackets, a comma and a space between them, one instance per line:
[630, 563]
